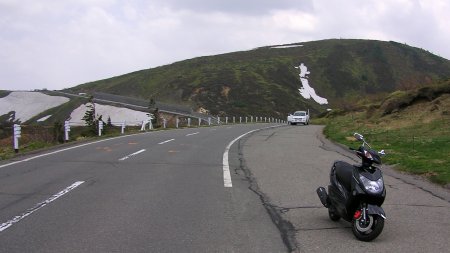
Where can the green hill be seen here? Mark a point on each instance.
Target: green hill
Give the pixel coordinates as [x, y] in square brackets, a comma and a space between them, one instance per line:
[265, 81]
[412, 126]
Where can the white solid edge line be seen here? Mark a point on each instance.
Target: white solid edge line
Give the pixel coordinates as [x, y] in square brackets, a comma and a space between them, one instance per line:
[130, 155]
[226, 166]
[65, 149]
[38, 206]
[164, 142]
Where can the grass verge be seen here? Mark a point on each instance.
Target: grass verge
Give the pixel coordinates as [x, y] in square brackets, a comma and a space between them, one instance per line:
[420, 148]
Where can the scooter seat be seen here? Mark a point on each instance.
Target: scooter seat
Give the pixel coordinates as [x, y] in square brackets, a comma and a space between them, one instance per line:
[344, 174]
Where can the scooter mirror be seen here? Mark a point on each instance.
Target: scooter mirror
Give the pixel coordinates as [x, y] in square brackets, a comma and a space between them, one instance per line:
[358, 136]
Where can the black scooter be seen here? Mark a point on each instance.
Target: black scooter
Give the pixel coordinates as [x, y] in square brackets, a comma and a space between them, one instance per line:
[356, 193]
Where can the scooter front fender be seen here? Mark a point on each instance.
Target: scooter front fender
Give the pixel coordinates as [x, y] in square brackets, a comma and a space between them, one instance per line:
[376, 210]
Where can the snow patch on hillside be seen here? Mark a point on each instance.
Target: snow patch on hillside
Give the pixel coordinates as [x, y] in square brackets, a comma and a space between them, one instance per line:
[25, 105]
[28, 104]
[44, 118]
[117, 114]
[306, 90]
[286, 46]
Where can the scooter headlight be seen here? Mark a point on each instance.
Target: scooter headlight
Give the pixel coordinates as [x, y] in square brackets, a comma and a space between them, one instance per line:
[374, 187]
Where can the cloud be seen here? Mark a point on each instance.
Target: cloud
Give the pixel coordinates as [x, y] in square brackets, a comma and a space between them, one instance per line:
[59, 44]
[248, 7]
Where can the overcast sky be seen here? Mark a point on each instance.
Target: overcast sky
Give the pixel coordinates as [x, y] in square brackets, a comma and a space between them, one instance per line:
[58, 44]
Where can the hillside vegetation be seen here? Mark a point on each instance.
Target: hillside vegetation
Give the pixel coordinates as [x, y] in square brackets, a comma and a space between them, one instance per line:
[4, 93]
[413, 127]
[396, 95]
[265, 81]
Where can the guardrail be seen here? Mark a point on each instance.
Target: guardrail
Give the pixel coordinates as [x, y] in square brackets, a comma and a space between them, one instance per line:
[171, 116]
[29, 136]
[134, 103]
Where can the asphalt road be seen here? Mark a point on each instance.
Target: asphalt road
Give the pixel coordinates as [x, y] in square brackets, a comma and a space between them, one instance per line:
[289, 163]
[165, 192]
[156, 192]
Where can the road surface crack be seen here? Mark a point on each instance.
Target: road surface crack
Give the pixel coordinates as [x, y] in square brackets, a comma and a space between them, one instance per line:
[287, 230]
[270, 136]
[287, 209]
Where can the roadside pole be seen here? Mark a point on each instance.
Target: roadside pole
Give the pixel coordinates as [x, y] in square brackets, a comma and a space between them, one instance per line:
[17, 134]
[100, 127]
[66, 130]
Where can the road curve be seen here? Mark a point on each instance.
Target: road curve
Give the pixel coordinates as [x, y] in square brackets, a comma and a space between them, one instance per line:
[154, 192]
[166, 192]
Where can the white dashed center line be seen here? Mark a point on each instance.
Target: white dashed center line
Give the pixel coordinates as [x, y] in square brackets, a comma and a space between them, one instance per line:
[130, 155]
[164, 142]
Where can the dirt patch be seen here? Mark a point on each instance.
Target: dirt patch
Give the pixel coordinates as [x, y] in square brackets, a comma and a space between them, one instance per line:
[423, 111]
[225, 91]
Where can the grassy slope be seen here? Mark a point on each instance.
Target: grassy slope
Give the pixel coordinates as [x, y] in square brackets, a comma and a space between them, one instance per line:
[416, 136]
[264, 80]
[4, 93]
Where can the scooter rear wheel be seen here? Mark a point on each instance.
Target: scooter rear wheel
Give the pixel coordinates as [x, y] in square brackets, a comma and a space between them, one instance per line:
[367, 231]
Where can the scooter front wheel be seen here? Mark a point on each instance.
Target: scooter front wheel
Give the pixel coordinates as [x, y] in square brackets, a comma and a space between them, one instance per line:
[369, 229]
